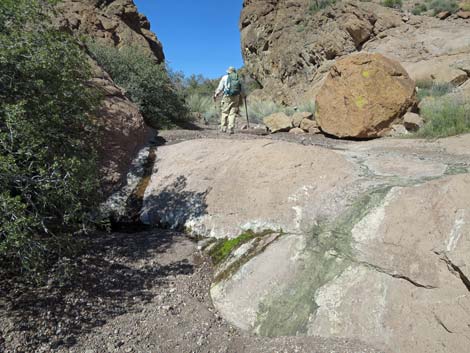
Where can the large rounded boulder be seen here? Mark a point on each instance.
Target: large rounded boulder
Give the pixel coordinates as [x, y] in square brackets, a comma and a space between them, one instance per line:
[363, 95]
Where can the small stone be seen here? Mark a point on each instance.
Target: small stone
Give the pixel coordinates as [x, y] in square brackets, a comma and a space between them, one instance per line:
[307, 124]
[314, 130]
[278, 122]
[298, 117]
[413, 121]
[463, 14]
[396, 130]
[443, 15]
[297, 131]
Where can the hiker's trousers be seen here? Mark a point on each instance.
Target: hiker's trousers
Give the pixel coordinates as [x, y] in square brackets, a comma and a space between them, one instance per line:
[230, 111]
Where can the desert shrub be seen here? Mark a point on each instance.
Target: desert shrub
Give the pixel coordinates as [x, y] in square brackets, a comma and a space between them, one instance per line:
[48, 178]
[418, 9]
[394, 4]
[307, 107]
[445, 116]
[429, 88]
[317, 5]
[258, 109]
[465, 6]
[443, 5]
[147, 83]
[203, 104]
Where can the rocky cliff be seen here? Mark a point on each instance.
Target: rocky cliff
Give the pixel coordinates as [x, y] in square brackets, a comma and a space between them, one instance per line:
[116, 23]
[288, 48]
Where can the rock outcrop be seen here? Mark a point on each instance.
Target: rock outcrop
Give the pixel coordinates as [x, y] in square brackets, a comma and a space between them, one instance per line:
[114, 23]
[369, 240]
[289, 49]
[233, 187]
[124, 132]
[363, 95]
[370, 221]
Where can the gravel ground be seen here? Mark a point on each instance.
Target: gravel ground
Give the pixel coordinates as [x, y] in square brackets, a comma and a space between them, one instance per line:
[200, 132]
[142, 292]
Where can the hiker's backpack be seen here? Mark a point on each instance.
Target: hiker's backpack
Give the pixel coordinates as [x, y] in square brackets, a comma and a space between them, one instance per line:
[234, 86]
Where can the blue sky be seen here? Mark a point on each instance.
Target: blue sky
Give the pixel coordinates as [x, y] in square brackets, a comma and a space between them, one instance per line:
[198, 36]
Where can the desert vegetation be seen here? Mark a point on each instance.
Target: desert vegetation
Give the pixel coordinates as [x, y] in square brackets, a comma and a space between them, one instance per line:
[147, 83]
[317, 5]
[435, 7]
[446, 113]
[395, 4]
[48, 177]
[445, 116]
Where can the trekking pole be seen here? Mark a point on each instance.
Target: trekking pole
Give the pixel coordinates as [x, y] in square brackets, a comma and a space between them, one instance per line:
[246, 110]
[216, 111]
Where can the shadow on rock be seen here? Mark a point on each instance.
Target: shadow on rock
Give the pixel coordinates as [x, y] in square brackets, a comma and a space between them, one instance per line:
[173, 206]
[115, 276]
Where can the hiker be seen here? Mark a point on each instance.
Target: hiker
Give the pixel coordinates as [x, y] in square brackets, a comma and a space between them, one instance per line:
[231, 87]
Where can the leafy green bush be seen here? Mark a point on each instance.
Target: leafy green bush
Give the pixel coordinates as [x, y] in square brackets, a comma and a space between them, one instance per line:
[429, 88]
[445, 116]
[146, 82]
[394, 4]
[48, 178]
[317, 5]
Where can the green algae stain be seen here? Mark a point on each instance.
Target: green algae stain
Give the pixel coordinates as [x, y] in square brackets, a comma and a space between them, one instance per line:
[360, 102]
[456, 169]
[328, 252]
[223, 248]
[365, 74]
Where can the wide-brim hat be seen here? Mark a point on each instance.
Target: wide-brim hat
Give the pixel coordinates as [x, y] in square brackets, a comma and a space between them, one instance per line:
[231, 69]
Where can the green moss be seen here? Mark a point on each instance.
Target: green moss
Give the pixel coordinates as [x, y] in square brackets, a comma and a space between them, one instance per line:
[254, 251]
[365, 74]
[225, 247]
[327, 254]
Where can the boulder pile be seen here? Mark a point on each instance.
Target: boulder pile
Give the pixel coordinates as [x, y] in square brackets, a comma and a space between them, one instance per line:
[299, 123]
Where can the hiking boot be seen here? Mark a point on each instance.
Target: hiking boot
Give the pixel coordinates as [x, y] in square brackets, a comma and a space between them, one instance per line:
[231, 132]
[223, 129]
